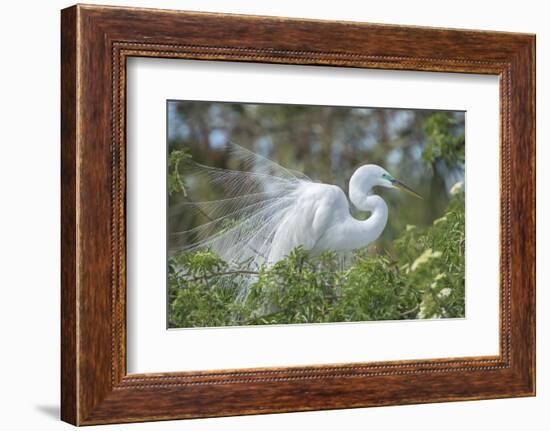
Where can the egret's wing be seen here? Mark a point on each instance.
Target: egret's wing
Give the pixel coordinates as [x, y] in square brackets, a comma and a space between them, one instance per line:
[240, 227]
[257, 163]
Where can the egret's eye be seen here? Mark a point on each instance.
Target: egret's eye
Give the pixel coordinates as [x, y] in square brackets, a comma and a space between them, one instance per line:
[387, 177]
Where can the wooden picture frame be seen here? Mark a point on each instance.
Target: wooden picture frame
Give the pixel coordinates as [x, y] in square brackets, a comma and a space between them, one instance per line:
[95, 43]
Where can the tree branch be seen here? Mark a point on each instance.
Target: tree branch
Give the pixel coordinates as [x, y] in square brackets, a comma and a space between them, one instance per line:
[219, 274]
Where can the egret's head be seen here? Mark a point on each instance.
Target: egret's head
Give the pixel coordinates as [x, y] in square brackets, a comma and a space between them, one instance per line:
[369, 176]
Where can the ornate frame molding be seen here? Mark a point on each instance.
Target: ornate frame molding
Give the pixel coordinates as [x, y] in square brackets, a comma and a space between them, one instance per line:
[96, 41]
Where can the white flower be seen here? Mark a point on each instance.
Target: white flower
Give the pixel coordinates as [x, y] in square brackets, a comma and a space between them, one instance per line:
[436, 279]
[443, 293]
[425, 257]
[439, 220]
[457, 188]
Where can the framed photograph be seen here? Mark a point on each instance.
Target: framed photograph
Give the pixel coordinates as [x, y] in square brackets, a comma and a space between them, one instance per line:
[266, 215]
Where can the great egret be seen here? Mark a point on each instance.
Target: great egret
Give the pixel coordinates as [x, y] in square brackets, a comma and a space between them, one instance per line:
[270, 210]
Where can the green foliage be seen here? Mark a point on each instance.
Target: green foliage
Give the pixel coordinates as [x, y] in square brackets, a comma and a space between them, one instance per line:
[421, 276]
[298, 289]
[373, 290]
[434, 262]
[175, 181]
[443, 143]
[196, 295]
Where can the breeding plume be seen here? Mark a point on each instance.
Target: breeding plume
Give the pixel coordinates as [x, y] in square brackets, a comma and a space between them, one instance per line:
[270, 210]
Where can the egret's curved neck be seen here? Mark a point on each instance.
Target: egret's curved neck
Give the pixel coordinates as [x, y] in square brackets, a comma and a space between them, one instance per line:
[362, 198]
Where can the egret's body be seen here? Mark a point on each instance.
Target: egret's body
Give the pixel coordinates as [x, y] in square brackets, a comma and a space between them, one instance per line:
[321, 220]
[273, 210]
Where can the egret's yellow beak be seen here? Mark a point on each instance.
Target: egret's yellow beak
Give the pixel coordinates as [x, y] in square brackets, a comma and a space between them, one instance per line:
[406, 188]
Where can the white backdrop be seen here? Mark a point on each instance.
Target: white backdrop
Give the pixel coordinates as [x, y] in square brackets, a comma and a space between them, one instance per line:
[29, 217]
[151, 348]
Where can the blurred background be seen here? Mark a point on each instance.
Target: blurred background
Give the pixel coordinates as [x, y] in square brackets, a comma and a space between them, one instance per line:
[423, 148]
